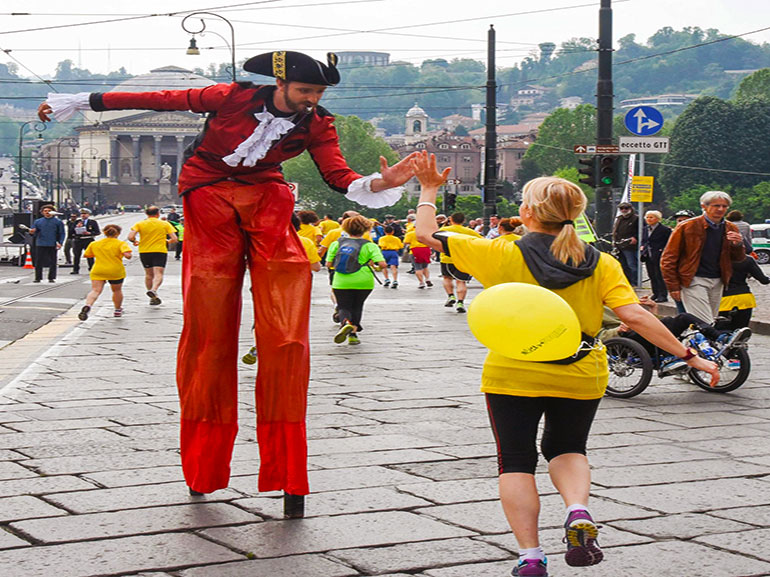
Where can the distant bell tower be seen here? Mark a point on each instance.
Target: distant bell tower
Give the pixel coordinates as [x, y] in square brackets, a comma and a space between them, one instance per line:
[416, 121]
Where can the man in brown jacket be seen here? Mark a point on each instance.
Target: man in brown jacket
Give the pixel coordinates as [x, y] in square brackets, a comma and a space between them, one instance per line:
[697, 261]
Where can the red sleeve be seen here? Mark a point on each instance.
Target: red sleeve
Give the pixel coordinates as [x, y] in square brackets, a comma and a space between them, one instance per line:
[325, 151]
[208, 99]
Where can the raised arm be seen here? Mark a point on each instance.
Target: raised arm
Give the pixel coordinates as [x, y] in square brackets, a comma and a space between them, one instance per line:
[424, 167]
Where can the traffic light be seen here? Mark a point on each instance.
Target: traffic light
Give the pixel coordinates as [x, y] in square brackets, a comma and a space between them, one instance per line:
[608, 170]
[588, 172]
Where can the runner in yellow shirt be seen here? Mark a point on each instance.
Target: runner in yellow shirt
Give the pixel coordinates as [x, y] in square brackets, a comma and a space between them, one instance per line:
[327, 224]
[390, 245]
[450, 274]
[153, 251]
[108, 254]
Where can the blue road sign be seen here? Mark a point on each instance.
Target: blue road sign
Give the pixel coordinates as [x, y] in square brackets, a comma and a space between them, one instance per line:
[644, 120]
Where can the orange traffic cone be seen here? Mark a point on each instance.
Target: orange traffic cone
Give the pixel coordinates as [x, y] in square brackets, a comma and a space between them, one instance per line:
[28, 262]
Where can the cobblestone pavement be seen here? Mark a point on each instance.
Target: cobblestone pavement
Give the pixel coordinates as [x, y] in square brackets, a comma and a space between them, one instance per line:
[401, 460]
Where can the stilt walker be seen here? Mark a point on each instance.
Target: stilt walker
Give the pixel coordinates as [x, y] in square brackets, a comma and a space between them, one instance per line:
[238, 208]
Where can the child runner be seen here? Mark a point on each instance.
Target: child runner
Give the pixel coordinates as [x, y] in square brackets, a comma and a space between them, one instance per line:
[449, 272]
[390, 245]
[567, 392]
[420, 258]
[108, 255]
[352, 288]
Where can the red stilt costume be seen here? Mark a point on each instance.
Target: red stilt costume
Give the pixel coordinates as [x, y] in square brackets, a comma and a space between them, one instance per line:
[236, 213]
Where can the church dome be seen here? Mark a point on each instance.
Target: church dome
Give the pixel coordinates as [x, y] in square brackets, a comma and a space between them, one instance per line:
[415, 111]
[165, 78]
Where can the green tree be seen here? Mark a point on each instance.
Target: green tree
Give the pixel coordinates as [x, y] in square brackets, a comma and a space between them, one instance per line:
[756, 85]
[562, 130]
[361, 149]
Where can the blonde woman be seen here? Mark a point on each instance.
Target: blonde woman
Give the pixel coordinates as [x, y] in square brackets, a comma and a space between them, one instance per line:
[520, 393]
[108, 254]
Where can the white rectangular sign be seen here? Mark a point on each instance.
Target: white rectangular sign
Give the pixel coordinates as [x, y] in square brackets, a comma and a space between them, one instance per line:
[643, 144]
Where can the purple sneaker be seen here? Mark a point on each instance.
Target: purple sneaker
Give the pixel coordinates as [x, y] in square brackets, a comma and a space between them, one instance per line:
[531, 568]
[581, 535]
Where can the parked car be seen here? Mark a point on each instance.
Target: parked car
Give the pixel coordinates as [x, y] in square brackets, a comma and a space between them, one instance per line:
[760, 238]
[132, 208]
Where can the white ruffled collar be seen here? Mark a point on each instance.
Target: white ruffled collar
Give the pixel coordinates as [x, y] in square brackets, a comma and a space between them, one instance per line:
[269, 129]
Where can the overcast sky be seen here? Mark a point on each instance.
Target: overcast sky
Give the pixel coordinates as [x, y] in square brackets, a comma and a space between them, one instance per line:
[411, 30]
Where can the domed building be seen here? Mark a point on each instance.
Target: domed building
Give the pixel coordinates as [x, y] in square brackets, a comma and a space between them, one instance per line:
[121, 152]
[416, 121]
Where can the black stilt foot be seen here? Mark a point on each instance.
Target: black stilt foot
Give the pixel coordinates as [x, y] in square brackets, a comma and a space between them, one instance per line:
[194, 493]
[293, 506]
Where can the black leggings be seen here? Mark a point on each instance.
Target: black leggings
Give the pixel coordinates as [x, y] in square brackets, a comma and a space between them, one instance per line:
[515, 421]
[350, 303]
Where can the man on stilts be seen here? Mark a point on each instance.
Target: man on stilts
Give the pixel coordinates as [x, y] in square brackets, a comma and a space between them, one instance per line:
[237, 208]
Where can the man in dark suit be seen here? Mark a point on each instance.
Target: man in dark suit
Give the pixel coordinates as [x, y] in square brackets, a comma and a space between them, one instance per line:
[654, 238]
[86, 229]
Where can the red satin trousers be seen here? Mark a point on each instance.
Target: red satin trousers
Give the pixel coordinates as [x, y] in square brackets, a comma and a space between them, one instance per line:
[227, 226]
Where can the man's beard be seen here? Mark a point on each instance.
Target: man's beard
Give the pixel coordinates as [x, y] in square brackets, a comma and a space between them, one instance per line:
[297, 105]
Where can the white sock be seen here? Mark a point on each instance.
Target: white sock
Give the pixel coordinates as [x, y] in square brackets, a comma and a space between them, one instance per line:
[534, 553]
[576, 507]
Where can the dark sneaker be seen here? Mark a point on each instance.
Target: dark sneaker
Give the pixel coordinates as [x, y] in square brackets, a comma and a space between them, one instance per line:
[251, 357]
[37, 280]
[51, 280]
[386, 284]
[83, 314]
[460, 307]
[395, 284]
[336, 316]
[430, 284]
[531, 568]
[422, 286]
[450, 301]
[581, 535]
[343, 333]
[117, 313]
[353, 339]
[154, 299]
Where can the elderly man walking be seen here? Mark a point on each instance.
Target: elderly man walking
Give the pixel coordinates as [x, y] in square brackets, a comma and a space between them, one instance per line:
[697, 261]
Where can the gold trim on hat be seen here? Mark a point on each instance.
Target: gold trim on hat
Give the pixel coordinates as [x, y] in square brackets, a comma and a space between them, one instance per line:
[279, 65]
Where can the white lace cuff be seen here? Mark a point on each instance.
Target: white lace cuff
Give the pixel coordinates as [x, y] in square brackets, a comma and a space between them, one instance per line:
[360, 191]
[65, 105]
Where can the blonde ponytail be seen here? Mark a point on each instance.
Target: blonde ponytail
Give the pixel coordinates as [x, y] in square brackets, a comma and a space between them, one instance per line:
[555, 204]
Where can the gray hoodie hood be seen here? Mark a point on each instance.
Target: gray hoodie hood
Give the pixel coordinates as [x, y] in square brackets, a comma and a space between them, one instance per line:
[548, 271]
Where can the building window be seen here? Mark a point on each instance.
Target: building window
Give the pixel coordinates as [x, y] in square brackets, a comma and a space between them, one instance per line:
[465, 146]
[444, 159]
[467, 172]
[466, 188]
[417, 126]
[467, 159]
[420, 145]
[443, 146]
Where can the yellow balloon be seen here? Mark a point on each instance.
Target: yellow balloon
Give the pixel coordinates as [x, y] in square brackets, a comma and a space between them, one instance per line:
[524, 322]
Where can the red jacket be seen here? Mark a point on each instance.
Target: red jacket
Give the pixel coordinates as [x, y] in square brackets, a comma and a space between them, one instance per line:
[230, 122]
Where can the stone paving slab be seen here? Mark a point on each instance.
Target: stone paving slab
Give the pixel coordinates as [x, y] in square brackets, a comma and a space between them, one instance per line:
[122, 556]
[26, 507]
[325, 534]
[294, 566]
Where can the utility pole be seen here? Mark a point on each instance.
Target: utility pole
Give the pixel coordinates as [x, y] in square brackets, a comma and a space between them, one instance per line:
[604, 108]
[490, 141]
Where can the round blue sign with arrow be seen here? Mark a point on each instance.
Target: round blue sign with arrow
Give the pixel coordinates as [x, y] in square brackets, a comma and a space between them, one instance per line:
[644, 120]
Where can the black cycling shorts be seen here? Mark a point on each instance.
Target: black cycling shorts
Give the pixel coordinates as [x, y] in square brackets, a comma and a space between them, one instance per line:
[152, 259]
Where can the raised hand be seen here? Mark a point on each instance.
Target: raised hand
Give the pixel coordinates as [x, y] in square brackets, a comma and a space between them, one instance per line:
[395, 175]
[424, 168]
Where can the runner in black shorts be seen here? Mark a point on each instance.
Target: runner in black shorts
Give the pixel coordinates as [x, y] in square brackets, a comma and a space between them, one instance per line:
[151, 259]
[153, 249]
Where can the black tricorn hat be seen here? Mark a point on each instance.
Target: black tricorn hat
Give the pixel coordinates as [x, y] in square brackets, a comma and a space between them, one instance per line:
[295, 67]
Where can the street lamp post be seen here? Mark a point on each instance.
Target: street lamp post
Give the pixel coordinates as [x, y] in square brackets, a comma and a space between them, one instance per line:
[193, 48]
[37, 126]
[72, 143]
[94, 156]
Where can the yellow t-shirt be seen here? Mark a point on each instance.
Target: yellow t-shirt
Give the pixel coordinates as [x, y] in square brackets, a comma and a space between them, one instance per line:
[309, 231]
[108, 258]
[327, 225]
[410, 238]
[493, 263]
[462, 230]
[335, 234]
[390, 242]
[310, 249]
[152, 234]
[409, 226]
[507, 237]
